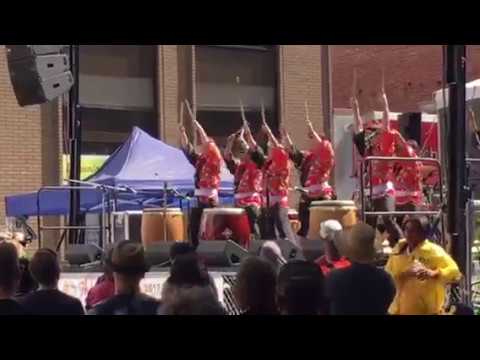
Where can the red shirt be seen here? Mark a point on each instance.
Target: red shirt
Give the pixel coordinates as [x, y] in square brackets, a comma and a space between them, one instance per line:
[208, 171]
[277, 176]
[384, 144]
[321, 160]
[327, 266]
[408, 180]
[249, 178]
[103, 290]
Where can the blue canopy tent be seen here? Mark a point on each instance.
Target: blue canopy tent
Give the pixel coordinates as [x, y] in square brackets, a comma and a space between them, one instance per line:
[142, 163]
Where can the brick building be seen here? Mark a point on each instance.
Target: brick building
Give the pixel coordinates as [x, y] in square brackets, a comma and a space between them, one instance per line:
[131, 85]
[412, 74]
[128, 85]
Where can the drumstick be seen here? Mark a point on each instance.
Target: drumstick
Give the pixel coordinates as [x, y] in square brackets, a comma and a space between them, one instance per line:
[307, 114]
[182, 110]
[383, 80]
[354, 85]
[192, 115]
[264, 117]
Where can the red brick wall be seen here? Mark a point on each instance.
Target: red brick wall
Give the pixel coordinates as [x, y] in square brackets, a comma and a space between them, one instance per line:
[412, 73]
[29, 142]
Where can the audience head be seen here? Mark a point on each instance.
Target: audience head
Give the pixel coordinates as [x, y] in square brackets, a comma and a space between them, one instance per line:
[255, 287]
[300, 289]
[27, 282]
[271, 252]
[186, 272]
[416, 230]
[195, 300]
[128, 265]
[45, 268]
[360, 247]
[180, 248]
[330, 232]
[9, 270]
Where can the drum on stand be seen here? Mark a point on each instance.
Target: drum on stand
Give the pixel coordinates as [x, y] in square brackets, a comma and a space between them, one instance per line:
[345, 212]
[225, 224]
[154, 222]
[294, 220]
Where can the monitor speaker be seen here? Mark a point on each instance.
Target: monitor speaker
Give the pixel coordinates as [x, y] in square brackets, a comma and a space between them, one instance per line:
[221, 253]
[289, 250]
[81, 254]
[158, 254]
[39, 73]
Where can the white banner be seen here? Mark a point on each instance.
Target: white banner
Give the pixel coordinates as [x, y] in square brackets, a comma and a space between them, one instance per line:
[78, 284]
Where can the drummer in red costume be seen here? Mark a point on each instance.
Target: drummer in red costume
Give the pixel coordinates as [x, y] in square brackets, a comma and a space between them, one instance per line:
[207, 164]
[408, 179]
[378, 139]
[277, 177]
[315, 167]
[248, 175]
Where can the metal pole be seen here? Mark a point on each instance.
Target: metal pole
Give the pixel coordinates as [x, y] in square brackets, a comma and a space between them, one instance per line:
[75, 144]
[457, 185]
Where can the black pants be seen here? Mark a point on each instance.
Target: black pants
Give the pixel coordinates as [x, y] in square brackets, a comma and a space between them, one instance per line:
[386, 203]
[253, 214]
[276, 218]
[304, 214]
[195, 221]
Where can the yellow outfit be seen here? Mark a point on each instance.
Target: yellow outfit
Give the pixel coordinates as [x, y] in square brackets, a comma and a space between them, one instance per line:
[420, 297]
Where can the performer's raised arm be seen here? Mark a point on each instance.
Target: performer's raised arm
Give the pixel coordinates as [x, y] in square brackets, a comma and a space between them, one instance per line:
[386, 110]
[202, 134]
[312, 134]
[184, 141]
[270, 135]
[227, 153]
[357, 118]
[287, 140]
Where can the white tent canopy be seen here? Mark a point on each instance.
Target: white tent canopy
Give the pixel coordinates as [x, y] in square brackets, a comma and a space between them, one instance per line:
[472, 92]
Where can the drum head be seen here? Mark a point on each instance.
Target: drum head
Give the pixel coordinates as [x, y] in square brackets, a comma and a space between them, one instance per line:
[224, 211]
[333, 203]
[160, 210]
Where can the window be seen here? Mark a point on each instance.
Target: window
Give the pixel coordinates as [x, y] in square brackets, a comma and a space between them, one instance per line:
[219, 93]
[116, 93]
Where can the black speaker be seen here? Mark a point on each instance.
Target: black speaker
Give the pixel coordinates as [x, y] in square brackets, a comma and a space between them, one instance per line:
[312, 249]
[158, 254]
[410, 126]
[39, 73]
[221, 253]
[289, 250]
[81, 254]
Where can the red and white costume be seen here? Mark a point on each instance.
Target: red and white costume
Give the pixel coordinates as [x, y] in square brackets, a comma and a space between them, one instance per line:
[319, 164]
[249, 180]
[277, 177]
[208, 168]
[408, 180]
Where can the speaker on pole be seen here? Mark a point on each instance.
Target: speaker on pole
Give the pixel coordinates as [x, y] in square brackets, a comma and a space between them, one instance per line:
[39, 73]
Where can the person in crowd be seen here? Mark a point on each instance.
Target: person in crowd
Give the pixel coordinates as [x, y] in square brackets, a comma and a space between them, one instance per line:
[255, 287]
[248, 175]
[129, 267]
[27, 282]
[48, 300]
[196, 300]
[104, 289]
[379, 139]
[207, 165]
[330, 233]
[315, 167]
[271, 252]
[9, 280]
[187, 271]
[301, 289]
[362, 288]
[421, 270]
[276, 189]
[180, 249]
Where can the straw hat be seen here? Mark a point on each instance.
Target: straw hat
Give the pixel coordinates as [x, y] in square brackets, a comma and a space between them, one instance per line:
[360, 245]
